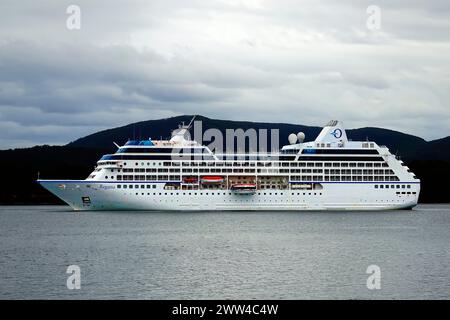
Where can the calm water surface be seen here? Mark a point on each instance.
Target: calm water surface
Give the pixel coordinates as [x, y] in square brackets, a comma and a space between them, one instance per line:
[136, 255]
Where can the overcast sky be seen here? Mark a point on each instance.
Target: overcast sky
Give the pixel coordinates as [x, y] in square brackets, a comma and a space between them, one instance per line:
[303, 62]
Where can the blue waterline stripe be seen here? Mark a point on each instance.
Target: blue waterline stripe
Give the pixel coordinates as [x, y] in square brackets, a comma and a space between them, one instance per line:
[148, 182]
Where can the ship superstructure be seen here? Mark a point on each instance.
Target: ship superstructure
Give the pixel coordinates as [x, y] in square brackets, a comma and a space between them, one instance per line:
[329, 173]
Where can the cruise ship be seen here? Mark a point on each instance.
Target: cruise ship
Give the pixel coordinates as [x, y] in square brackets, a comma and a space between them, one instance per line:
[179, 174]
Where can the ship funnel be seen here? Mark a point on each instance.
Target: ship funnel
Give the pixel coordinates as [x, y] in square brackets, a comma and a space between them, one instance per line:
[333, 132]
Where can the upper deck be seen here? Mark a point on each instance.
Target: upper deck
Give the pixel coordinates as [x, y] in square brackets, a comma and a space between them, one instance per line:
[332, 141]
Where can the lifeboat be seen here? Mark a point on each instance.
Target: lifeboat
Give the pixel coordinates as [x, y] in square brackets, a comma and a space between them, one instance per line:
[212, 180]
[190, 180]
[244, 188]
[303, 186]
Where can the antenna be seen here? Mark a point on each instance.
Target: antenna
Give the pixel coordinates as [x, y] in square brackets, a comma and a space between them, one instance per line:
[116, 145]
[190, 123]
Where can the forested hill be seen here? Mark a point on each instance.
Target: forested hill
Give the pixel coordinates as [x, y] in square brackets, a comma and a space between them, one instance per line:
[429, 160]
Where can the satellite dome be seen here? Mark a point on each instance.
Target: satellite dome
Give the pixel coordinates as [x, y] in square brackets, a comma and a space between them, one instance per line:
[301, 137]
[292, 138]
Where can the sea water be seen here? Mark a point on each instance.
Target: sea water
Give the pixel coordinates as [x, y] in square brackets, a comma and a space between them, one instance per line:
[224, 255]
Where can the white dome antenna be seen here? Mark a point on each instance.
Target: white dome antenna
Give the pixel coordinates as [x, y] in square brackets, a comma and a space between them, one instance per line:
[292, 138]
[301, 137]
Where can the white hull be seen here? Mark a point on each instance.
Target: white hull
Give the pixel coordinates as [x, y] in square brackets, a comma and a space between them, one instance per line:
[333, 196]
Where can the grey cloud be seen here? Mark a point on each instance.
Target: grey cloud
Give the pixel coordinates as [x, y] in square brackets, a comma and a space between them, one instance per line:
[244, 60]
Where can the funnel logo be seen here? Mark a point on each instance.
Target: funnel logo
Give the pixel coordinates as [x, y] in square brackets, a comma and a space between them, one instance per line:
[337, 133]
